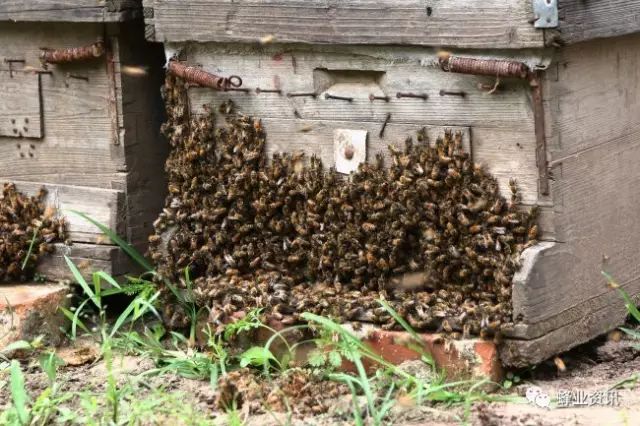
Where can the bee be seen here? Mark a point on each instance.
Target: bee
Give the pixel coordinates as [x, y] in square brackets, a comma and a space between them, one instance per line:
[560, 365]
[368, 227]
[446, 326]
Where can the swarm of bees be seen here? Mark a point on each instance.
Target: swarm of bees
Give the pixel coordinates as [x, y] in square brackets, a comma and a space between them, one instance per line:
[27, 230]
[429, 232]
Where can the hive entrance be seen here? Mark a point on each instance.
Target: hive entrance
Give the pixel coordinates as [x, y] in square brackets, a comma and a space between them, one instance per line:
[348, 83]
[428, 232]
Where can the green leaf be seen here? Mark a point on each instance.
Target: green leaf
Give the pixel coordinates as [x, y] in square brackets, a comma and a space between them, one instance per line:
[16, 346]
[19, 393]
[49, 363]
[125, 246]
[317, 358]
[633, 333]
[257, 356]
[247, 323]
[80, 280]
[335, 359]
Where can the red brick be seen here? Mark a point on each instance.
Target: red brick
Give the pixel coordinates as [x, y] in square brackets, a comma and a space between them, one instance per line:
[30, 310]
[460, 359]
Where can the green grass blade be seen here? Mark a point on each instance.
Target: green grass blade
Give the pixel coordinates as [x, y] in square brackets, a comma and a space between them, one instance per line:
[75, 319]
[350, 382]
[30, 250]
[629, 304]
[19, 393]
[419, 344]
[122, 318]
[125, 246]
[108, 278]
[80, 280]
[97, 286]
[400, 320]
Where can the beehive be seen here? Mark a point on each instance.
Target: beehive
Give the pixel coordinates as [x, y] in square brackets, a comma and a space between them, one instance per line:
[84, 124]
[566, 129]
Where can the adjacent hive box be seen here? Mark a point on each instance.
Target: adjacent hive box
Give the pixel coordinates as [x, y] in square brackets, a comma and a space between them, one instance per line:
[87, 130]
[573, 146]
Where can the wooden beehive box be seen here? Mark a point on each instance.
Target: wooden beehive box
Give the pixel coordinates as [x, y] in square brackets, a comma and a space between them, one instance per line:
[569, 132]
[87, 130]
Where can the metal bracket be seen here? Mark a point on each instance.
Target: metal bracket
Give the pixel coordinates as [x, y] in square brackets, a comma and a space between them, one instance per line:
[545, 13]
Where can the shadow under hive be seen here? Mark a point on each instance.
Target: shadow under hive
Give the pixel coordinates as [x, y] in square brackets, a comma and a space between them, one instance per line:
[429, 232]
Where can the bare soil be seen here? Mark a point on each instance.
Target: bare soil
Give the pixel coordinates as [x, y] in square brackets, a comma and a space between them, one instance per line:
[595, 367]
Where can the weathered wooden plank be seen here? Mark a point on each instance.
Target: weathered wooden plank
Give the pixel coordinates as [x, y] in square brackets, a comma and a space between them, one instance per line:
[607, 300]
[582, 20]
[315, 137]
[592, 94]
[69, 10]
[509, 154]
[460, 23]
[592, 322]
[87, 257]
[594, 119]
[107, 206]
[596, 197]
[77, 139]
[99, 180]
[20, 109]
[595, 192]
[358, 74]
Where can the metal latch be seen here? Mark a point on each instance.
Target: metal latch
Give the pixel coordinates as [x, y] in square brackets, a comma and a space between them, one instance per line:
[545, 13]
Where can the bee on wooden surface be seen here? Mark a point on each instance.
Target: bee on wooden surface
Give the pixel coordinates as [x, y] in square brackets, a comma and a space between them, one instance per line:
[28, 229]
[432, 213]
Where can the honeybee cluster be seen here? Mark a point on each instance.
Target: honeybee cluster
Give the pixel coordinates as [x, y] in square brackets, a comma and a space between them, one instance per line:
[429, 232]
[27, 230]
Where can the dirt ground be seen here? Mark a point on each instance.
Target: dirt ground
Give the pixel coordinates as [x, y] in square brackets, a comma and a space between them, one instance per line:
[594, 368]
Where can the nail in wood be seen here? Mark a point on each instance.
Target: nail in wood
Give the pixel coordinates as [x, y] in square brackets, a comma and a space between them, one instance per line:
[373, 97]
[78, 77]
[299, 95]
[453, 93]
[340, 98]
[384, 125]
[422, 96]
[259, 90]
